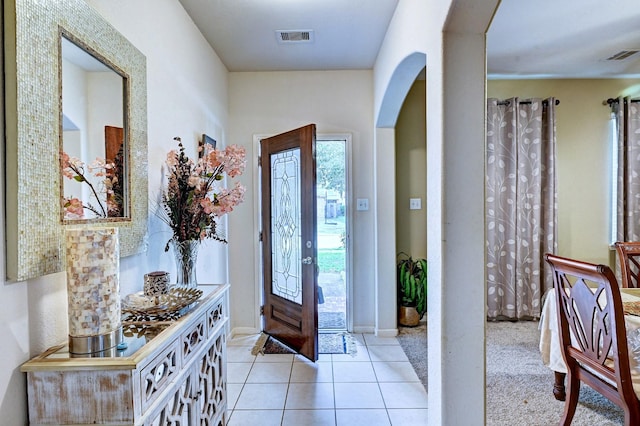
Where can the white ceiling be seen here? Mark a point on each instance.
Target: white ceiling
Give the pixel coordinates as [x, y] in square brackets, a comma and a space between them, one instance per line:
[347, 33]
[527, 39]
[564, 39]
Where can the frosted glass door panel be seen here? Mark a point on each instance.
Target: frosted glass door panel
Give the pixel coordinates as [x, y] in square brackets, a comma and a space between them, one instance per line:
[286, 226]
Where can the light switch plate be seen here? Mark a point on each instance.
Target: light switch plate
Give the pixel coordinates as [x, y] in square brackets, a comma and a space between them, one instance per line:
[415, 203]
[362, 204]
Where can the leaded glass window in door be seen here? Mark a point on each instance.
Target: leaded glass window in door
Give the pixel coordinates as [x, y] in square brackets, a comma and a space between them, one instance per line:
[286, 226]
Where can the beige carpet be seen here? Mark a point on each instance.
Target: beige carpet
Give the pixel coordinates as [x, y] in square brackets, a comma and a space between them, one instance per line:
[519, 385]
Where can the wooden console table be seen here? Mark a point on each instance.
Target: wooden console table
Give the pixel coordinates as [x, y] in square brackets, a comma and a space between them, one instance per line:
[174, 375]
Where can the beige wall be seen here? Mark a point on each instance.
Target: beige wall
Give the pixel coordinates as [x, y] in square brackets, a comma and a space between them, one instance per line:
[268, 103]
[583, 157]
[411, 173]
[187, 96]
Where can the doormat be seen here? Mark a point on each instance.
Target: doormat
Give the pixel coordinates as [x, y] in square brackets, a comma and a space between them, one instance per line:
[328, 343]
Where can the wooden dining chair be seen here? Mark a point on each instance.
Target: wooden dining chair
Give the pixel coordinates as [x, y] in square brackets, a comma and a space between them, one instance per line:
[590, 310]
[629, 258]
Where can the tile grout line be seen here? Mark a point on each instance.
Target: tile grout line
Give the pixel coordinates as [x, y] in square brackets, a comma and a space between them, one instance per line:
[386, 409]
[244, 383]
[333, 387]
[286, 397]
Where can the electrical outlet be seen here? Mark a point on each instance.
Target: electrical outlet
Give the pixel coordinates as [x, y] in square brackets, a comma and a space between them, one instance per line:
[362, 204]
[415, 203]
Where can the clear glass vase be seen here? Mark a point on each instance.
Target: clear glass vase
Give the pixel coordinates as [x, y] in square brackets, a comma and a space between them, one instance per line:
[186, 253]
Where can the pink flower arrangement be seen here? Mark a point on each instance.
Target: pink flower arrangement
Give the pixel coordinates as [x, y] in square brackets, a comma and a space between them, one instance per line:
[192, 201]
[75, 169]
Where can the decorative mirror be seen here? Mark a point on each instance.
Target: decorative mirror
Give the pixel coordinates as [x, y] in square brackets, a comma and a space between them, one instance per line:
[38, 37]
[95, 183]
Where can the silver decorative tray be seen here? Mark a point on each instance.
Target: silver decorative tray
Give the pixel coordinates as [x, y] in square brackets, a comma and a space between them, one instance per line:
[140, 308]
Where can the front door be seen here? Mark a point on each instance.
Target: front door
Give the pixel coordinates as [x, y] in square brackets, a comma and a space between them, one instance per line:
[289, 251]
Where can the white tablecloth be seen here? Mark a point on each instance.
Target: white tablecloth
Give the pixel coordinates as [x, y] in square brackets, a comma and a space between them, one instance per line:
[550, 339]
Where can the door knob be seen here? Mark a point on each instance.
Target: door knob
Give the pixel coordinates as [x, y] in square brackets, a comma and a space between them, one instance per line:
[307, 260]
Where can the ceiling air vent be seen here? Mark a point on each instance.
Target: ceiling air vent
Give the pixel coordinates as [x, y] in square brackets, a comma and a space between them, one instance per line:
[294, 36]
[623, 54]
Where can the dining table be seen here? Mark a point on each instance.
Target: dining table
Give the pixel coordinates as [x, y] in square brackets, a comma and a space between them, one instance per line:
[550, 338]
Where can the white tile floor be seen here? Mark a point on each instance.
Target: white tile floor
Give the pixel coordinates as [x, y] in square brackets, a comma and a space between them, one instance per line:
[376, 387]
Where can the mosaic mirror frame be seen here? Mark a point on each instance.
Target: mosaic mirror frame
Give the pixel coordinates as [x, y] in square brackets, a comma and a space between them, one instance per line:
[34, 228]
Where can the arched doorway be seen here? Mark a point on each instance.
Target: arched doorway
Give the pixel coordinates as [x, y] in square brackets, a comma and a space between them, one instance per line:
[401, 81]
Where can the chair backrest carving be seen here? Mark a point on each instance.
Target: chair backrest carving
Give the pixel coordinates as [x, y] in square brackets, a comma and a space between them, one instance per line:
[592, 329]
[629, 259]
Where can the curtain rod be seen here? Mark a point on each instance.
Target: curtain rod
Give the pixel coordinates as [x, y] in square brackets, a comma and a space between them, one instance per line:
[544, 102]
[612, 101]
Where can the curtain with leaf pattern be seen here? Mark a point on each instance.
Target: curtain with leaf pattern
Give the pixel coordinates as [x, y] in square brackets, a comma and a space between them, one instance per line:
[521, 205]
[626, 116]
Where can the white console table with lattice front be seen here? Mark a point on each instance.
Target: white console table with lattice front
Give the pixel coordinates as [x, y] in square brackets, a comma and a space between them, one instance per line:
[170, 373]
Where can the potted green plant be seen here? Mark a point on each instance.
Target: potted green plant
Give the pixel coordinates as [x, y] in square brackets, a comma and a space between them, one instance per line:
[412, 289]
